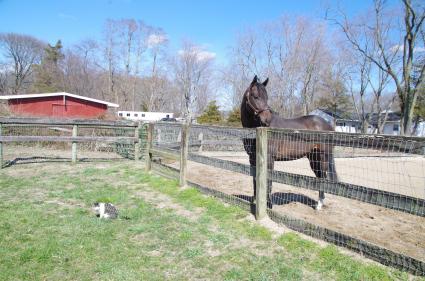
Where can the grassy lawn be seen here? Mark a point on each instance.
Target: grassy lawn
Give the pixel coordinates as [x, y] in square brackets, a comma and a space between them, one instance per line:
[48, 232]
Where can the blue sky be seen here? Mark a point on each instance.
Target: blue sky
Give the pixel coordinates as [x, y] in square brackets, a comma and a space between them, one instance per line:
[213, 24]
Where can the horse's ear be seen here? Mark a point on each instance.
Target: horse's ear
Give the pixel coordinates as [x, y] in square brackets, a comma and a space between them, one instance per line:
[255, 80]
[265, 82]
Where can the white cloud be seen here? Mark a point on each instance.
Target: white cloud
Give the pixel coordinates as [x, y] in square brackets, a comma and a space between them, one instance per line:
[205, 55]
[156, 39]
[400, 48]
[66, 16]
[201, 55]
[419, 49]
[5, 68]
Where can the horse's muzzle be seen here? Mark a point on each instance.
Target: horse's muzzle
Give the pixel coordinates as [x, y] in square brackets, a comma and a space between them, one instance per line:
[265, 117]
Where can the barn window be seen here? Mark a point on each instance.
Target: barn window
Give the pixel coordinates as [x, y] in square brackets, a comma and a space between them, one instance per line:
[128, 114]
[135, 114]
[143, 115]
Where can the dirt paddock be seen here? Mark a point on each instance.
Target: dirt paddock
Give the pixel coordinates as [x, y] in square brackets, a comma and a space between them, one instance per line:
[394, 230]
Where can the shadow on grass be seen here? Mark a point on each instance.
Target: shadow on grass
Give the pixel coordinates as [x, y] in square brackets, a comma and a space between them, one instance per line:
[39, 159]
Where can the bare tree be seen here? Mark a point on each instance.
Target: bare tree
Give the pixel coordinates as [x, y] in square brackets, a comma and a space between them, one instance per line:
[192, 65]
[378, 86]
[110, 53]
[397, 57]
[156, 87]
[243, 65]
[23, 52]
[293, 53]
[359, 79]
[3, 78]
[82, 74]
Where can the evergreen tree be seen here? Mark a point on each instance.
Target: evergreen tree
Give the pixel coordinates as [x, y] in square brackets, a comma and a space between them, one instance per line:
[336, 99]
[48, 74]
[211, 114]
[234, 118]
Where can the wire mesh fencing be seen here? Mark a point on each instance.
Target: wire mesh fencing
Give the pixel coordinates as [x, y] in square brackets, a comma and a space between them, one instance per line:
[39, 140]
[166, 137]
[373, 186]
[380, 170]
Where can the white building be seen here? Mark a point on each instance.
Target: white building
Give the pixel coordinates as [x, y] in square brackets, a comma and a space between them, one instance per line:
[352, 125]
[144, 116]
[341, 124]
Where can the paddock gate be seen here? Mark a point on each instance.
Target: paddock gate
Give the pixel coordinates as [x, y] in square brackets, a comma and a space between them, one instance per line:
[377, 207]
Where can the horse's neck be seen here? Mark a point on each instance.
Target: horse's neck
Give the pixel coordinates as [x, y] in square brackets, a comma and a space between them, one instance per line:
[246, 119]
[249, 120]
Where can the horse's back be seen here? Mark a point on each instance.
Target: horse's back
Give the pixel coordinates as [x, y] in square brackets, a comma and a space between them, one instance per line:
[308, 122]
[284, 149]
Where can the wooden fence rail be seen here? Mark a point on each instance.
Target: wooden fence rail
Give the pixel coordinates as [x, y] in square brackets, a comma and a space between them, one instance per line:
[375, 196]
[176, 150]
[74, 139]
[67, 122]
[179, 150]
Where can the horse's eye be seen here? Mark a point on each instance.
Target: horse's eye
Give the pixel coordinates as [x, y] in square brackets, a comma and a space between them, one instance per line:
[256, 98]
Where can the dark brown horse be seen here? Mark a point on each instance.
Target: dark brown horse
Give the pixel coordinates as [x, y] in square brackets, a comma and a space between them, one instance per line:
[255, 112]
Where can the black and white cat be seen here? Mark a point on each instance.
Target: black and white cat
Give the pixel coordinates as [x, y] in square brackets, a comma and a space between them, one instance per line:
[105, 210]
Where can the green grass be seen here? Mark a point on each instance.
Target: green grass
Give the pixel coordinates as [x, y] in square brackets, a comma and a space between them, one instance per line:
[48, 232]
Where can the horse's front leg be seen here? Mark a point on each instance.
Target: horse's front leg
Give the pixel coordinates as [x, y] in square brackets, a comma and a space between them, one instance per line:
[253, 171]
[270, 167]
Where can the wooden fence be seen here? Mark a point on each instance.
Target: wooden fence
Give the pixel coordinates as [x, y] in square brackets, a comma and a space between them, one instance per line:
[180, 151]
[375, 196]
[412, 205]
[74, 138]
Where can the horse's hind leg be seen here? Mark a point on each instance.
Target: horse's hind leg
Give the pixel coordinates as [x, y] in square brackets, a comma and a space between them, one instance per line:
[319, 166]
[331, 174]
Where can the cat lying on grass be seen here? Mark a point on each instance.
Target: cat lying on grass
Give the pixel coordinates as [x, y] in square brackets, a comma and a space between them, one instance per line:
[106, 211]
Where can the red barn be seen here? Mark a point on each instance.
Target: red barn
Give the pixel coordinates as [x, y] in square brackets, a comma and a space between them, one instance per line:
[57, 105]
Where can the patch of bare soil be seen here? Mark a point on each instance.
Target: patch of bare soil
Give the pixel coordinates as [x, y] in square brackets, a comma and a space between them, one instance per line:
[162, 201]
[26, 170]
[397, 231]
[66, 204]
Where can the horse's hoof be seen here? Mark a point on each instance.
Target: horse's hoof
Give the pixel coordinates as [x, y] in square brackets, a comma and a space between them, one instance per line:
[319, 205]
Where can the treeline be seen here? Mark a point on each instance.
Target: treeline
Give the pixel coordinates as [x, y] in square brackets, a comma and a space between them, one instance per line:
[369, 63]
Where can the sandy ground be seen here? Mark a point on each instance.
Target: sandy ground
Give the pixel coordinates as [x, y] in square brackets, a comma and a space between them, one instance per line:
[397, 231]
[402, 175]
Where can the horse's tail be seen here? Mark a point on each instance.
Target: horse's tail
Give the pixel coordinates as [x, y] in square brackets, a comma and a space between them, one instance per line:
[332, 175]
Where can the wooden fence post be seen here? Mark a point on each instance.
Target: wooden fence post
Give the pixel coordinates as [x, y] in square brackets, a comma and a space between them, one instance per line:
[201, 140]
[1, 148]
[261, 173]
[148, 156]
[137, 144]
[74, 144]
[184, 145]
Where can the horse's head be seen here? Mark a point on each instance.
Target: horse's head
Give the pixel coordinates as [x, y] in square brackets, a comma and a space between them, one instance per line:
[256, 101]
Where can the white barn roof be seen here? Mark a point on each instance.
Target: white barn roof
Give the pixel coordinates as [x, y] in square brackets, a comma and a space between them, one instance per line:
[9, 97]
